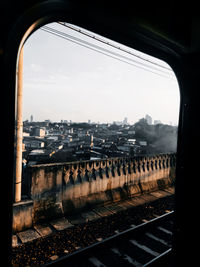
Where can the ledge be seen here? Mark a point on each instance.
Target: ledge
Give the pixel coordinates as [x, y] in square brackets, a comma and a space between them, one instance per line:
[23, 202]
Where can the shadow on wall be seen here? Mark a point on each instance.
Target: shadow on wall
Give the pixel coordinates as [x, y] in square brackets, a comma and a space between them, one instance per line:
[66, 188]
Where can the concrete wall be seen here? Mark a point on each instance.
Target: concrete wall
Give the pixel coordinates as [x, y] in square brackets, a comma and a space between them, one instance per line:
[65, 188]
[22, 215]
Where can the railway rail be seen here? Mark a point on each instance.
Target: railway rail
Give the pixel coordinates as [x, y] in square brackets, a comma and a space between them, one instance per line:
[141, 245]
[60, 244]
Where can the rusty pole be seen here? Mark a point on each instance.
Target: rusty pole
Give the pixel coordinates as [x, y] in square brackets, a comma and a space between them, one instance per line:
[18, 172]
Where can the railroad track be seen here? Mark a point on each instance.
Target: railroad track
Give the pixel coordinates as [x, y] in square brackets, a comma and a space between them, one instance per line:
[141, 245]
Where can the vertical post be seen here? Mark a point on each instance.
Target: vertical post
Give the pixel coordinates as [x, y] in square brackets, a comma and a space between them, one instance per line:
[18, 173]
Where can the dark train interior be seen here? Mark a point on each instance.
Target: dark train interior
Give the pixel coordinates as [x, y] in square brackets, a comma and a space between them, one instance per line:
[167, 32]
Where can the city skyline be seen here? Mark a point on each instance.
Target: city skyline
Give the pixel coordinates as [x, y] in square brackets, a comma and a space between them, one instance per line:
[122, 122]
[80, 84]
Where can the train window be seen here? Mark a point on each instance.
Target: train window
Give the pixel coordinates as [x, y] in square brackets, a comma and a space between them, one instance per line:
[96, 135]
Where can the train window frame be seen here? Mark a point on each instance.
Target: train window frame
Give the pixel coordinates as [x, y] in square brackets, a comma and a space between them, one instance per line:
[40, 15]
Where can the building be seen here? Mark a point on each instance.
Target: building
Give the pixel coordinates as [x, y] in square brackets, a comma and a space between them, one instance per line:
[143, 143]
[157, 122]
[33, 143]
[131, 132]
[125, 121]
[39, 132]
[148, 119]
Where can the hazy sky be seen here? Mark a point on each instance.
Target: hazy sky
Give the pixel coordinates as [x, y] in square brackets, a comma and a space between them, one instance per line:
[66, 81]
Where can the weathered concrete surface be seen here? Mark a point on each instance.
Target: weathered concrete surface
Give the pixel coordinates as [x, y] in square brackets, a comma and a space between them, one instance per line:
[46, 192]
[43, 229]
[50, 227]
[61, 224]
[28, 235]
[66, 188]
[90, 216]
[22, 215]
[15, 242]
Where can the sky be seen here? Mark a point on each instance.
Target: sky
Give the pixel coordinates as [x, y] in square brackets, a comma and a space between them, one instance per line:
[67, 81]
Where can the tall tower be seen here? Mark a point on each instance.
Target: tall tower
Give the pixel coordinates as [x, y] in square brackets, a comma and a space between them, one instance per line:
[125, 121]
[148, 119]
[31, 118]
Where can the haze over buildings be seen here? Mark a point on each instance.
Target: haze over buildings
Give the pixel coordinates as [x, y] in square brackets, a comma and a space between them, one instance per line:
[63, 141]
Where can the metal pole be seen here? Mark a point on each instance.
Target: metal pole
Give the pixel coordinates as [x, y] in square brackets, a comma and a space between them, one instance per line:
[18, 174]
